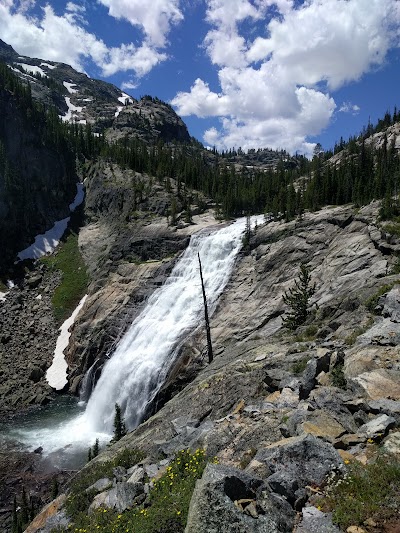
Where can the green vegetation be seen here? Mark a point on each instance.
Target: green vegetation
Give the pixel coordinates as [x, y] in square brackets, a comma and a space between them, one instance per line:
[247, 457]
[372, 302]
[74, 277]
[23, 512]
[119, 425]
[337, 377]
[165, 512]
[371, 491]
[393, 228]
[308, 334]
[362, 173]
[78, 499]
[299, 366]
[297, 298]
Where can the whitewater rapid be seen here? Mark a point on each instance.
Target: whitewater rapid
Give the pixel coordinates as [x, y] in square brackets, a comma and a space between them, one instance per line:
[138, 367]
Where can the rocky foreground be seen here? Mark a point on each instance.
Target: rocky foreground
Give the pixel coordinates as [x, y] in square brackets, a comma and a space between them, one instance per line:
[280, 411]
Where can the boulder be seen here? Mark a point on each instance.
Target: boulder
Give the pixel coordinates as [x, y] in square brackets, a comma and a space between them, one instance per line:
[378, 384]
[50, 518]
[392, 443]
[121, 497]
[228, 500]
[100, 485]
[137, 474]
[321, 424]
[294, 463]
[315, 521]
[377, 427]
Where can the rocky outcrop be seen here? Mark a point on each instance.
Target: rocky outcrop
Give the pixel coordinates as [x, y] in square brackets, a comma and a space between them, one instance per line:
[129, 249]
[36, 182]
[28, 337]
[229, 500]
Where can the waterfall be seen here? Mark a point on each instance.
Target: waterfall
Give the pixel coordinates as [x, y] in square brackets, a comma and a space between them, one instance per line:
[139, 365]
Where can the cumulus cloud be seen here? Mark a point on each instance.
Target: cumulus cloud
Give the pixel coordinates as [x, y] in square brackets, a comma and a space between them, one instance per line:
[65, 37]
[155, 17]
[275, 87]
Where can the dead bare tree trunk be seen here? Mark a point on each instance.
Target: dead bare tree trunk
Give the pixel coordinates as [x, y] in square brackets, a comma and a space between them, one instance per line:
[209, 345]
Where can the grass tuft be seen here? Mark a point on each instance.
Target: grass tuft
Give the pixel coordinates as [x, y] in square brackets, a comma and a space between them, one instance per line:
[365, 492]
[74, 281]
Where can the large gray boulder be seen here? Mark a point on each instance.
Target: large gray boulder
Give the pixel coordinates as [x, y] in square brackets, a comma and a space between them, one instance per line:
[121, 497]
[292, 464]
[228, 500]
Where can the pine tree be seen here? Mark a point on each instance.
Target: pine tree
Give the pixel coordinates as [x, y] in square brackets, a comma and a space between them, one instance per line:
[119, 425]
[54, 488]
[96, 448]
[297, 298]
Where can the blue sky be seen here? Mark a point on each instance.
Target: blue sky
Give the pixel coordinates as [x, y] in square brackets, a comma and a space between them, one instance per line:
[249, 73]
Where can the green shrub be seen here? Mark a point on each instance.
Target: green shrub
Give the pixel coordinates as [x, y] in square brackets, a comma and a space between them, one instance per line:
[372, 302]
[371, 491]
[337, 377]
[299, 366]
[78, 500]
[167, 509]
[74, 281]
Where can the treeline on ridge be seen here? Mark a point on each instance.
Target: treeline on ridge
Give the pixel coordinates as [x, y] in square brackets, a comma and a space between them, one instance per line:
[361, 173]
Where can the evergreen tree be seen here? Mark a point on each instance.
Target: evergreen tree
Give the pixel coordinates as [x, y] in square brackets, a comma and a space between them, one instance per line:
[119, 425]
[96, 448]
[297, 298]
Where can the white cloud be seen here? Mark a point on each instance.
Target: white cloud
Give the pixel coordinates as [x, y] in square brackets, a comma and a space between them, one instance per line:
[155, 17]
[348, 107]
[274, 87]
[65, 37]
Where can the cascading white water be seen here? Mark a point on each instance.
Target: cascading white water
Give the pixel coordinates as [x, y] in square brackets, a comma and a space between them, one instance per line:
[138, 367]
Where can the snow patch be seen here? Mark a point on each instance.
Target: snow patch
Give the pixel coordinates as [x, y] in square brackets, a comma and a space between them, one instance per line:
[80, 195]
[72, 109]
[46, 243]
[69, 87]
[124, 98]
[48, 66]
[56, 375]
[10, 285]
[32, 69]
[118, 111]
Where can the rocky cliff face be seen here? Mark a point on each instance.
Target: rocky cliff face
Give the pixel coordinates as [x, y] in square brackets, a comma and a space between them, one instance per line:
[82, 100]
[36, 186]
[279, 409]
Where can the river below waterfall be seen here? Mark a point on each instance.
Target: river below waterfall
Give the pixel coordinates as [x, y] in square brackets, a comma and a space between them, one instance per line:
[137, 369]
